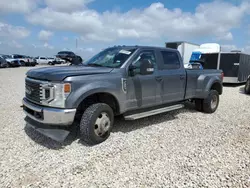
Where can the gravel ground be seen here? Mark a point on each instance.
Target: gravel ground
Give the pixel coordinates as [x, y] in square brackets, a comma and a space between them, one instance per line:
[184, 148]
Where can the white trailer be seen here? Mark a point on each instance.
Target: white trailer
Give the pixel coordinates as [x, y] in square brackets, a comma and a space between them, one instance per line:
[185, 49]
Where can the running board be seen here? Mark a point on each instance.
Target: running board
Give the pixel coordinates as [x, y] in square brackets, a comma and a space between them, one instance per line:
[153, 112]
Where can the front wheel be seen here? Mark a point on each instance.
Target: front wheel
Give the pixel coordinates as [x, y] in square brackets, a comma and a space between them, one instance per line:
[247, 87]
[96, 123]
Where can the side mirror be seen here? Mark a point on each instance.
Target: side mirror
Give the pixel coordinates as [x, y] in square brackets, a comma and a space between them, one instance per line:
[146, 67]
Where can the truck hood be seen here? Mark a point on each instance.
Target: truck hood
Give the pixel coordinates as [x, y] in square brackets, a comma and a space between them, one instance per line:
[61, 72]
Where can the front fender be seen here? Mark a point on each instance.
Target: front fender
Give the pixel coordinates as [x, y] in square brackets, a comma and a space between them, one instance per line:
[78, 95]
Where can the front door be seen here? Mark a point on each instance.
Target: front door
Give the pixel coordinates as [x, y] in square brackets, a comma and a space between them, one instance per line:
[143, 90]
[173, 76]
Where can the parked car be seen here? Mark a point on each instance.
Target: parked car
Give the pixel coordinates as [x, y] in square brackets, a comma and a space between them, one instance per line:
[50, 60]
[41, 60]
[10, 61]
[54, 60]
[133, 81]
[66, 55]
[70, 58]
[3, 63]
[24, 60]
[30, 61]
[59, 61]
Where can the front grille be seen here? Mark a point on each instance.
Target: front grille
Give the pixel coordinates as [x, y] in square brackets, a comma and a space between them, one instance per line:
[33, 90]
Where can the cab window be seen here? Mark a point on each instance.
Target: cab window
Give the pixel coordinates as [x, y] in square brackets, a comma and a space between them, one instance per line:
[170, 60]
[145, 55]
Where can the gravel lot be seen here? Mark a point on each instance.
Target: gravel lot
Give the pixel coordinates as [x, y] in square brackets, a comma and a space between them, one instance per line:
[184, 148]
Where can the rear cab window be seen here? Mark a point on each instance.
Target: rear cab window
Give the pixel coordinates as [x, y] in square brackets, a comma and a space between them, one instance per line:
[171, 60]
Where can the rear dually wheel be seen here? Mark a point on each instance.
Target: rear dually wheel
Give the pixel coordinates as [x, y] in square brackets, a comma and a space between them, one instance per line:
[211, 103]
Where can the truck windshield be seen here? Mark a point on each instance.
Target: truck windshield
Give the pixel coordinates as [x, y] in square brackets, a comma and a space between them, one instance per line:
[110, 57]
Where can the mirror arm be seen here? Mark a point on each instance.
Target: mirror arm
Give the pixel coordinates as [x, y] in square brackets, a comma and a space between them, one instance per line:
[132, 67]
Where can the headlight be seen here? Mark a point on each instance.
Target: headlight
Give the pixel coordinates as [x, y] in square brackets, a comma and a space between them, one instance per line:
[55, 94]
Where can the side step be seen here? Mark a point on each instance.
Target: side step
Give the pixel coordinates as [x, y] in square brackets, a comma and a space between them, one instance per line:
[153, 112]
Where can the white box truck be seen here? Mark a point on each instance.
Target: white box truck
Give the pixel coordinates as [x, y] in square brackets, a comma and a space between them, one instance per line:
[185, 49]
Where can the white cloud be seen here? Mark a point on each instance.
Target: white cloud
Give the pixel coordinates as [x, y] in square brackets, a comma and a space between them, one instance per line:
[246, 49]
[214, 19]
[15, 44]
[230, 47]
[10, 31]
[44, 35]
[67, 5]
[46, 45]
[17, 6]
[11, 44]
[86, 50]
[226, 37]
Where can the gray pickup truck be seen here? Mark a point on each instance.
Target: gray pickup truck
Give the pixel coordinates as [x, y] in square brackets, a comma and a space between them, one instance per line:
[133, 81]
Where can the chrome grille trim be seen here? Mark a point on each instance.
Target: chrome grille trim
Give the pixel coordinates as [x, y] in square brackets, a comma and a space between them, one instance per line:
[39, 95]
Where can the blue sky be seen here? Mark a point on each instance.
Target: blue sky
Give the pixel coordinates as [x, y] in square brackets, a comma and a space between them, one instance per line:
[44, 27]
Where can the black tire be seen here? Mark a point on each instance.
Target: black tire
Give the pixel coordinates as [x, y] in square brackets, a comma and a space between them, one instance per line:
[22, 63]
[8, 65]
[211, 103]
[199, 105]
[247, 87]
[88, 123]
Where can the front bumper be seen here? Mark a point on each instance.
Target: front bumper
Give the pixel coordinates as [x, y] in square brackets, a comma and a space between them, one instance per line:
[47, 115]
[51, 122]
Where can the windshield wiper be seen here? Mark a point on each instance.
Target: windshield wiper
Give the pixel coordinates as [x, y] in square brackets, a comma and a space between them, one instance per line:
[98, 65]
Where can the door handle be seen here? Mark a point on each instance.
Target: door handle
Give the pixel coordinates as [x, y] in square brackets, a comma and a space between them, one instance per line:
[158, 78]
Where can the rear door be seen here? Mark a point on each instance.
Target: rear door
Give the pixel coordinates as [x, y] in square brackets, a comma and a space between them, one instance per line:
[173, 76]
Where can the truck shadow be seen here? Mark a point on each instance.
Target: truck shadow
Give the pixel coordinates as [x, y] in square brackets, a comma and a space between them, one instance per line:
[233, 85]
[128, 126]
[120, 126]
[241, 85]
[242, 91]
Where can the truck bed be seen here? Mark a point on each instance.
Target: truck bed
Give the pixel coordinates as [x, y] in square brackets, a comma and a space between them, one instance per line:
[198, 80]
